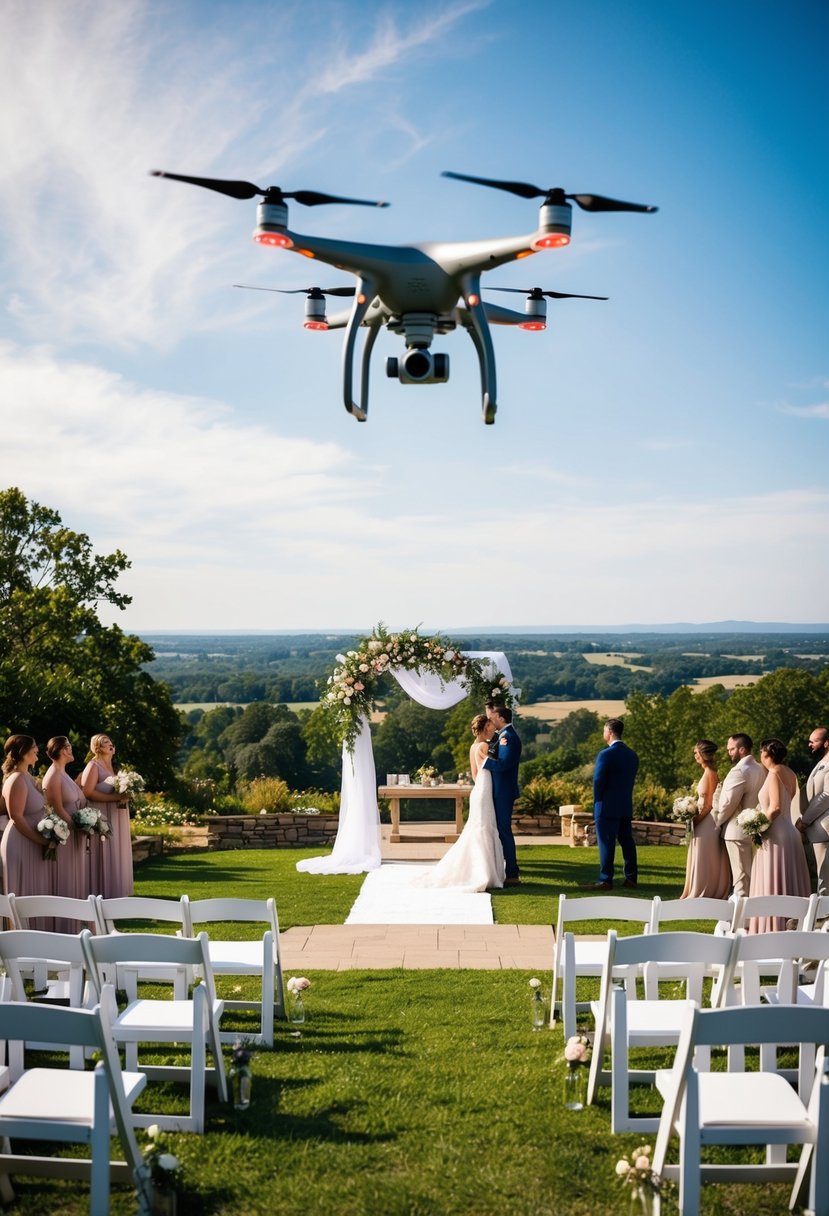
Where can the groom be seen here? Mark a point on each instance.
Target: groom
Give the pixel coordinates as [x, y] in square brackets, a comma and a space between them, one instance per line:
[502, 762]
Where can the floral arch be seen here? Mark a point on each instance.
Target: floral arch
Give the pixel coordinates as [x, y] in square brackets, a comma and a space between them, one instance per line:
[435, 672]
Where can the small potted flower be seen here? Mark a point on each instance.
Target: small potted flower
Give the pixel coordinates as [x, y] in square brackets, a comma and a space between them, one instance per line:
[165, 1172]
[636, 1172]
[240, 1075]
[577, 1058]
[296, 1006]
[538, 1005]
[427, 774]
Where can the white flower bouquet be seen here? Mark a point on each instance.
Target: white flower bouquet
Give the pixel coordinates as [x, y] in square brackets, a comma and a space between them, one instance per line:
[754, 823]
[55, 832]
[297, 984]
[128, 781]
[684, 809]
[91, 822]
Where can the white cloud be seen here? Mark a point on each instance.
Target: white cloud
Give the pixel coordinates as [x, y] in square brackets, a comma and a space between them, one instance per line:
[807, 411]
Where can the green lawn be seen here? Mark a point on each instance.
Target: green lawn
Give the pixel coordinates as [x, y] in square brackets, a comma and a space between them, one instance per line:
[406, 1093]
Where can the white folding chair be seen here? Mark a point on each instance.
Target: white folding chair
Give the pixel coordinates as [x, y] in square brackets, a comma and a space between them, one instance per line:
[753, 1108]
[623, 1023]
[259, 957]
[66, 1105]
[55, 953]
[75, 914]
[588, 954]
[194, 1020]
[725, 913]
[800, 909]
[818, 917]
[143, 908]
[787, 949]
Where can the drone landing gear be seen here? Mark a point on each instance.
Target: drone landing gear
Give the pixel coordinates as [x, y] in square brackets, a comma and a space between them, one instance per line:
[489, 410]
[362, 302]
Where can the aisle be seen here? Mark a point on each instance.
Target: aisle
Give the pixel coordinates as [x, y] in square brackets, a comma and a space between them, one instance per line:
[388, 898]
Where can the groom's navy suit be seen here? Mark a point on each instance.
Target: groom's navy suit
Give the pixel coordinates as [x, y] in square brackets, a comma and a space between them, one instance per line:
[503, 764]
[613, 779]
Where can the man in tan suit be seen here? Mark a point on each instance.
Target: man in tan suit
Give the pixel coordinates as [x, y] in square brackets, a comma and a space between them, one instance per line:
[739, 792]
[814, 820]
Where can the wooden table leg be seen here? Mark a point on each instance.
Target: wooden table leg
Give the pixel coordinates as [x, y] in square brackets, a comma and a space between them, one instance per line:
[394, 836]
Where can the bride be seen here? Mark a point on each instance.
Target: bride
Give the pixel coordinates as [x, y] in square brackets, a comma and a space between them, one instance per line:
[475, 861]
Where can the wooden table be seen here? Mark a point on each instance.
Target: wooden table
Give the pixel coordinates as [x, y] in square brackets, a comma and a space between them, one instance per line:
[396, 793]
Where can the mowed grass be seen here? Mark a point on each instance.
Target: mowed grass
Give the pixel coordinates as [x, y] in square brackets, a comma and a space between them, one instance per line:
[406, 1093]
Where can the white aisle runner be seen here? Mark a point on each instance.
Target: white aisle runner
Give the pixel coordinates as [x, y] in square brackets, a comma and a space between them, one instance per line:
[387, 897]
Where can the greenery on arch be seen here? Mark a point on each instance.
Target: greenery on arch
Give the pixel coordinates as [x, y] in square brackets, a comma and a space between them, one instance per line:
[350, 692]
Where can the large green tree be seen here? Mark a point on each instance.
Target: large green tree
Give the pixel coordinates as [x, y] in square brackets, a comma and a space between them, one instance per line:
[61, 670]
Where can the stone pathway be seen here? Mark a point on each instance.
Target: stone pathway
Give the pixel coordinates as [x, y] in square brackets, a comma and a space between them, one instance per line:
[477, 947]
[365, 947]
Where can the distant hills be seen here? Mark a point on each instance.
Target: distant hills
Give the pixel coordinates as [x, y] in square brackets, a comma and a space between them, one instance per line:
[677, 627]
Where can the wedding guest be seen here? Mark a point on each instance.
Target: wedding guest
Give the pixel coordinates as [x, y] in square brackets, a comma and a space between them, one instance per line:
[780, 864]
[110, 861]
[707, 871]
[65, 797]
[25, 870]
[813, 823]
[739, 793]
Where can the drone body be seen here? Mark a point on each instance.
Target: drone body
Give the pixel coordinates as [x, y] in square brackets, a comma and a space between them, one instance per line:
[417, 291]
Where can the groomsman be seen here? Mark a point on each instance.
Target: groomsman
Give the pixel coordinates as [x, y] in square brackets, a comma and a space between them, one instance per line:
[739, 792]
[814, 821]
[613, 779]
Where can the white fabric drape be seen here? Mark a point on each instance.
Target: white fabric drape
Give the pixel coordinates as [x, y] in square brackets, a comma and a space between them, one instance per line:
[357, 846]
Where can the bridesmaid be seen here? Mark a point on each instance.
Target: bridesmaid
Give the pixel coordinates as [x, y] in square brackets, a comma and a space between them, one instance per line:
[111, 859]
[707, 871]
[65, 797]
[25, 871]
[779, 866]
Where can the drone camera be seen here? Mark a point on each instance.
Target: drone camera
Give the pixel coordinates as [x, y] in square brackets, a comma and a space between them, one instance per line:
[419, 366]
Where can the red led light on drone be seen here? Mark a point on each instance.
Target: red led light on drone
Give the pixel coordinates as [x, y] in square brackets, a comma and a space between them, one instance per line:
[553, 240]
[472, 299]
[316, 325]
[276, 239]
[533, 325]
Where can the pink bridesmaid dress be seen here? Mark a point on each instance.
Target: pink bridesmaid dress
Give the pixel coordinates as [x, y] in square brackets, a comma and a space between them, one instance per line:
[25, 872]
[73, 857]
[779, 866]
[110, 861]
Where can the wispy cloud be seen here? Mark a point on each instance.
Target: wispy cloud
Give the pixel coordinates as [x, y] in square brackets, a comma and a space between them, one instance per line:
[392, 41]
[806, 411]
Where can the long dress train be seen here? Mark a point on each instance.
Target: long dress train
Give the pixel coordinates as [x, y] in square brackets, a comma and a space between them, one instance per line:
[475, 861]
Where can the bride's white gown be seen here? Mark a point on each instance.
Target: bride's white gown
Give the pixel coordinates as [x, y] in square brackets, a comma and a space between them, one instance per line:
[475, 861]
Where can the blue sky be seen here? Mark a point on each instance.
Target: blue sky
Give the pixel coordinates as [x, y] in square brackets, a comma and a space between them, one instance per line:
[659, 457]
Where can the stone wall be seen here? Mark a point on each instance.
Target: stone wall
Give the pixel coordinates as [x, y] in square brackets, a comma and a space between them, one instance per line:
[270, 831]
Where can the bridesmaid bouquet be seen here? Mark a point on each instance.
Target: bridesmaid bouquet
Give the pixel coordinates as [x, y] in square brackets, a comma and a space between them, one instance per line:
[754, 823]
[91, 822]
[128, 782]
[683, 811]
[55, 831]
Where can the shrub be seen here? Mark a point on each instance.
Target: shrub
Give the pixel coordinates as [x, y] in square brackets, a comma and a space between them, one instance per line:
[266, 794]
[545, 794]
[651, 801]
[324, 801]
[228, 804]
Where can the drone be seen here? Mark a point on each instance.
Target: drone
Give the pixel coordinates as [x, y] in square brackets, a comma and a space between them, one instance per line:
[416, 291]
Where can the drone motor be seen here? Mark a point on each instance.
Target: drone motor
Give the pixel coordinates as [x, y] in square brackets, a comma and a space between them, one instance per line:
[419, 366]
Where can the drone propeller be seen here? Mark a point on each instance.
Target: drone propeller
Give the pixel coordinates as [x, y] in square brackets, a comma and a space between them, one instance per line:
[535, 293]
[554, 195]
[273, 194]
[307, 291]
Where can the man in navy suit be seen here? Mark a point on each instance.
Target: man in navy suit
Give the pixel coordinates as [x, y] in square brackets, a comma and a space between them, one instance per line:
[502, 762]
[613, 779]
